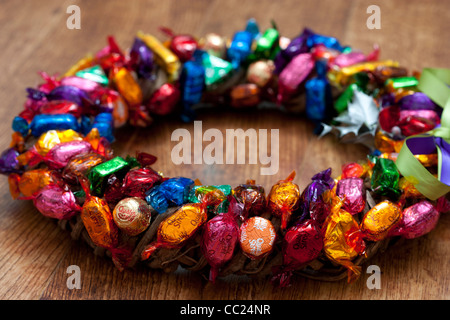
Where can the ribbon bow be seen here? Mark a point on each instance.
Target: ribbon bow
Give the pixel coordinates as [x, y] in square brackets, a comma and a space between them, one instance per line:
[435, 84]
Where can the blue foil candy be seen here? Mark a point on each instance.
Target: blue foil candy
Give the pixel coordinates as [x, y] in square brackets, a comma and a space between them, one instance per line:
[170, 192]
[44, 122]
[192, 84]
[20, 125]
[240, 48]
[104, 122]
[318, 95]
[329, 42]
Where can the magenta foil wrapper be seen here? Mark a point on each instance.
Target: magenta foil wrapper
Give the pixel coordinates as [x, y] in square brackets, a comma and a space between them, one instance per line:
[56, 202]
[60, 155]
[417, 220]
[353, 192]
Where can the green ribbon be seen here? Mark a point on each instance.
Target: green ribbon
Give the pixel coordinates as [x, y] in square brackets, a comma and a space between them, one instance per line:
[434, 83]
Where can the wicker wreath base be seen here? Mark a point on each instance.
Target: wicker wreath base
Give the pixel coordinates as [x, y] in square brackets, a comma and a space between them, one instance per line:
[190, 257]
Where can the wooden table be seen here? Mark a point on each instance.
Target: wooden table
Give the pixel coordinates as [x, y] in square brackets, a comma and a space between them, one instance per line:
[35, 254]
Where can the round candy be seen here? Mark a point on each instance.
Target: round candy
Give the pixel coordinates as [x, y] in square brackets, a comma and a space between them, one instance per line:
[257, 236]
[260, 72]
[56, 202]
[132, 215]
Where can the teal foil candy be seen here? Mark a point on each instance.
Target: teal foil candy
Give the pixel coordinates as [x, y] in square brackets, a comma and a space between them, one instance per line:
[385, 178]
[196, 193]
[95, 74]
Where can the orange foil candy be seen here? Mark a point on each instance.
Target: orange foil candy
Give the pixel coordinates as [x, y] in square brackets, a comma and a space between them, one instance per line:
[179, 227]
[343, 240]
[257, 236]
[379, 220]
[283, 199]
[30, 182]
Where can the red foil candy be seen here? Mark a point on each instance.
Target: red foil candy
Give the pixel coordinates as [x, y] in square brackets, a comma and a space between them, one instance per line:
[164, 99]
[352, 170]
[138, 181]
[252, 197]
[301, 245]
[183, 46]
[219, 239]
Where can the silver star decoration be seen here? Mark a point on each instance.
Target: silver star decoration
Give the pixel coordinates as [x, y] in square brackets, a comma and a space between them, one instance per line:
[358, 123]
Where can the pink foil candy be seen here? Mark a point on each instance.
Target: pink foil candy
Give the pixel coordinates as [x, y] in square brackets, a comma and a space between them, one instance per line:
[418, 220]
[430, 115]
[57, 202]
[353, 192]
[81, 83]
[293, 75]
[59, 156]
[219, 239]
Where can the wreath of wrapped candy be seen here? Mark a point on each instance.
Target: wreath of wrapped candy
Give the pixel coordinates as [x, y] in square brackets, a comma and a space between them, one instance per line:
[61, 158]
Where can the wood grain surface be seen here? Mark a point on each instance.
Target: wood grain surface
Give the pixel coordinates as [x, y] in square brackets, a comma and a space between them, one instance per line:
[35, 253]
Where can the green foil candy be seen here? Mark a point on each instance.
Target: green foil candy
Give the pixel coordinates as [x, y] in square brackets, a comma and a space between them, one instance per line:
[98, 175]
[196, 193]
[385, 178]
[94, 73]
[267, 46]
[402, 82]
[217, 70]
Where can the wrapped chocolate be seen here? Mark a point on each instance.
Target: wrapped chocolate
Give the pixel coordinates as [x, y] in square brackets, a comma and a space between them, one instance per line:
[283, 199]
[296, 46]
[214, 44]
[385, 178]
[132, 215]
[260, 72]
[293, 75]
[42, 123]
[128, 87]
[60, 155]
[8, 161]
[318, 95]
[94, 73]
[379, 220]
[314, 205]
[192, 81]
[56, 201]
[353, 193]
[61, 107]
[353, 170]
[165, 58]
[182, 45]
[302, 244]
[31, 181]
[240, 48]
[267, 45]
[257, 237]
[343, 240]
[252, 198]
[69, 93]
[170, 192]
[109, 100]
[220, 237]
[79, 166]
[137, 181]
[141, 59]
[164, 100]
[99, 223]
[245, 95]
[175, 230]
[100, 173]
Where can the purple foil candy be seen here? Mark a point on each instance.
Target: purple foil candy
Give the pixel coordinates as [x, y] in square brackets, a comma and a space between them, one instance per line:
[56, 202]
[353, 192]
[417, 220]
[70, 93]
[417, 101]
[141, 59]
[8, 161]
[60, 155]
[313, 204]
[294, 48]
[80, 83]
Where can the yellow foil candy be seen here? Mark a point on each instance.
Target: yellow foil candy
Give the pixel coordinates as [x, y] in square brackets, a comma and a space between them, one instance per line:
[379, 220]
[53, 137]
[342, 76]
[163, 56]
[178, 228]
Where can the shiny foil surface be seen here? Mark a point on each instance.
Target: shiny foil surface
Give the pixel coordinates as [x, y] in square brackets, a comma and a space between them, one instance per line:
[257, 236]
